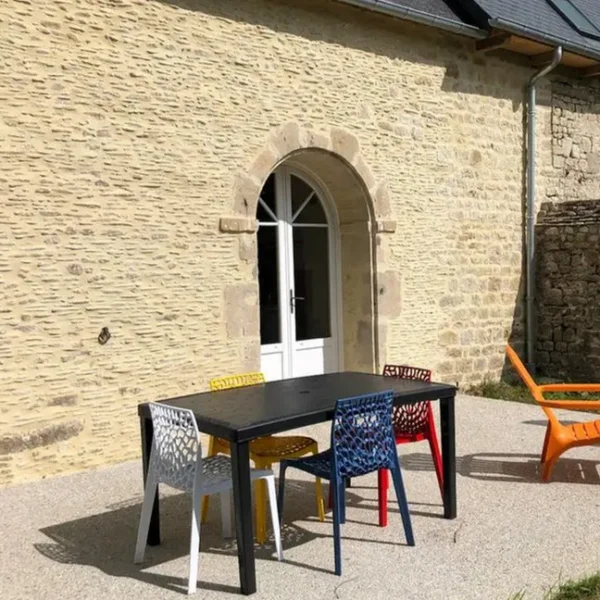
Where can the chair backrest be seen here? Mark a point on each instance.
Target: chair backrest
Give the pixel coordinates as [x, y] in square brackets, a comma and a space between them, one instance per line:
[521, 369]
[406, 372]
[362, 436]
[534, 388]
[176, 450]
[409, 419]
[235, 381]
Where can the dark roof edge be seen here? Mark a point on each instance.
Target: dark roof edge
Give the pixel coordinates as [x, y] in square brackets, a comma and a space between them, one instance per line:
[540, 36]
[475, 12]
[411, 14]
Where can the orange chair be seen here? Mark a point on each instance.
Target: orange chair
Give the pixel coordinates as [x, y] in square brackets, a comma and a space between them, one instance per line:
[264, 452]
[559, 437]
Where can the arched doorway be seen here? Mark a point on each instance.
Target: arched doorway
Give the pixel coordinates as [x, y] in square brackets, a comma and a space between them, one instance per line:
[298, 276]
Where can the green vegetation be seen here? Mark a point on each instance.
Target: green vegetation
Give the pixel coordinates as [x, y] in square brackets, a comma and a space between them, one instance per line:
[514, 392]
[584, 589]
[518, 392]
[587, 588]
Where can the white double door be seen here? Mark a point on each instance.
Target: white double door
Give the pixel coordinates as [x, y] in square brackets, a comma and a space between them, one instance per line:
[297, 272]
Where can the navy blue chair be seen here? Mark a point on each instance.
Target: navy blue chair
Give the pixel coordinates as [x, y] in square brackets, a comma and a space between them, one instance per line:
[362, 441]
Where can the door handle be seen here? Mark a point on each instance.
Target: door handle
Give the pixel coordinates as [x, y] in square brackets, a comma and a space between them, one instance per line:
[293, 301]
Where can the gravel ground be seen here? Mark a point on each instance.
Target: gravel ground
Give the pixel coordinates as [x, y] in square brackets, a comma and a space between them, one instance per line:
[73, 537]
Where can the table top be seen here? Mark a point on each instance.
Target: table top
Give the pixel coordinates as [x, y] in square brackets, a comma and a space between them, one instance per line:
[245, 413]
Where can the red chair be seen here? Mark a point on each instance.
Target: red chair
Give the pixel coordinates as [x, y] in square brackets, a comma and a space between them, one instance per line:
[412, 423]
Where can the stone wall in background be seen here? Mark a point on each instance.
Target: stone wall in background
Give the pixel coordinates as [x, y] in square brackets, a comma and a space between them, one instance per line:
[575, 142]
[568, 276]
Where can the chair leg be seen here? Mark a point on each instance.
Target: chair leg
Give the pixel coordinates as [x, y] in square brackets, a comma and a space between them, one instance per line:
[382, 485]
[552, 455]
[282, 470]
[226, 513]
[319, 494]
[260, 502]
[342, 501]
[545, 446]
[147, 506]
[547, 468]
[403, 504]
[270, 480]
[337, 508]
[205, 499]
[330, 496]
[553, 452]
[194, 545]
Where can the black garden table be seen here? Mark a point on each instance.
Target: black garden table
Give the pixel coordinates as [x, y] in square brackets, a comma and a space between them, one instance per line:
[243, 414]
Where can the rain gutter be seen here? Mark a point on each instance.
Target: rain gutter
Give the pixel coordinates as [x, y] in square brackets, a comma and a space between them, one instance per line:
[418, 16]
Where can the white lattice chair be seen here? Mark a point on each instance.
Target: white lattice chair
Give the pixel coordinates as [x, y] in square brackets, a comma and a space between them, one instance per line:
[176, 460]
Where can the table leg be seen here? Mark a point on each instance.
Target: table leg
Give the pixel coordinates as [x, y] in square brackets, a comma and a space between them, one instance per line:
[448, 456]
[147, 432]
[242, 496]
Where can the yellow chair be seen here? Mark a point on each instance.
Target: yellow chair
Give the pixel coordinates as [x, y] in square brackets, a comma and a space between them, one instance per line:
[264, 452]
[559, 437]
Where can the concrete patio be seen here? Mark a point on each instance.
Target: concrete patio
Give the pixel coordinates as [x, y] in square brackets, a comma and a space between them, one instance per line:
[73, 537]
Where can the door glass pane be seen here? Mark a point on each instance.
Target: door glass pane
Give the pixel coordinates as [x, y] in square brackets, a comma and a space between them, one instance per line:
[300, 192]
[268, 281]
[268, 196]
[311, 282]
[262, 214]
[312, 213]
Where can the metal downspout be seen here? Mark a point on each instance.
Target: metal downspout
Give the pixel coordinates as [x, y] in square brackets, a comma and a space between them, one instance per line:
[530, 210]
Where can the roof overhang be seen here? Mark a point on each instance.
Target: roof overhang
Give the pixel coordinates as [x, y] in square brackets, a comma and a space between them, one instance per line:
[537, 46]
[499, 35]
[536, 50]
[418, 16]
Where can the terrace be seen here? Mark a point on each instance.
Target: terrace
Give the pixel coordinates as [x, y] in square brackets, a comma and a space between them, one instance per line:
[74, 536]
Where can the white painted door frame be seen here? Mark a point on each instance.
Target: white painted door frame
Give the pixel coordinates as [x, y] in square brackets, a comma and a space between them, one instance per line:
[290, 357]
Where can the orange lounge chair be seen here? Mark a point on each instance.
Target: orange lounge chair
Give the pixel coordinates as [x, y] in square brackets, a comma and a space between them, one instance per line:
[559, 437]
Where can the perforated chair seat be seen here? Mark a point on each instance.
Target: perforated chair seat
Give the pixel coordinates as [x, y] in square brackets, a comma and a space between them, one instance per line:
[280, 446]
[318, 465]
[217, 471]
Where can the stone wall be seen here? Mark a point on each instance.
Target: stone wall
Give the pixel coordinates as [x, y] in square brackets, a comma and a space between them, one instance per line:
[132, 135]
[575, 141]
[568, 275]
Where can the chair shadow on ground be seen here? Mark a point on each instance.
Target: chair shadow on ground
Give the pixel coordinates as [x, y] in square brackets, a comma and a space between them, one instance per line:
[106, 540]
[516, 467]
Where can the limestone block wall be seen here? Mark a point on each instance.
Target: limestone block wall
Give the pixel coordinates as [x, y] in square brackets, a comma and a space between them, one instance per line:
[568, 277]
[133, 136]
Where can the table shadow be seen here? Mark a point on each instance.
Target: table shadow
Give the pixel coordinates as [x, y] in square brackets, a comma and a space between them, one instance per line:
[106, 540]
[517, 467]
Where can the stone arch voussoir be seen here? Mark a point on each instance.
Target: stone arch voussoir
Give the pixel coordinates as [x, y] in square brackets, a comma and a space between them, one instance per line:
[285, 141]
